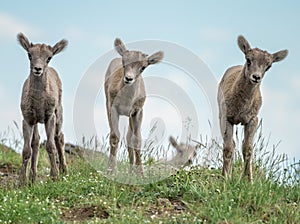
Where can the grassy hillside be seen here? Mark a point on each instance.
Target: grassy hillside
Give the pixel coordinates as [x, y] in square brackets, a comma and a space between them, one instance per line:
[196, 196]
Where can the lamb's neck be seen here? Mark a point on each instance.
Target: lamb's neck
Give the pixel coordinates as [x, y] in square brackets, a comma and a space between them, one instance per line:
[244, 88]
[132, 90]
[37, 85]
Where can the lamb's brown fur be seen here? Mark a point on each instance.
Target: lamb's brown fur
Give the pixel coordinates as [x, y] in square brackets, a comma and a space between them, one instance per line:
[125, 95]
[239, 100]
[41, 103]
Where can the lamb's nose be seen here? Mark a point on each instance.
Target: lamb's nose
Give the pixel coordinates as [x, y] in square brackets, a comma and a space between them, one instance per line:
[256, 77]
[128, 79]
[37, 69]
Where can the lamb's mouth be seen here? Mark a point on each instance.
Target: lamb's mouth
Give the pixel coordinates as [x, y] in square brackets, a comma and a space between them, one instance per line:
[37, 73]
[254, 81]
[128, 82]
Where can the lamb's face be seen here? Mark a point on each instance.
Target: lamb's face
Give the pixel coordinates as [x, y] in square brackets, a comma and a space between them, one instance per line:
[185, 153]
[134, 63]
[39, 56]
[257, 63]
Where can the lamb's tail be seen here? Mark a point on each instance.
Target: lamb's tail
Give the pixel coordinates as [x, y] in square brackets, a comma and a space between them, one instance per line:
[173, 142]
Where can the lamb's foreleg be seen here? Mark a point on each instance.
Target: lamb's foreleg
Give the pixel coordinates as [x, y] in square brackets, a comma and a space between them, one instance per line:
[135, 122]
[26, 154]
[249, 131]
[113, 138]
[130, 147]
[35, 152]
[228, 147]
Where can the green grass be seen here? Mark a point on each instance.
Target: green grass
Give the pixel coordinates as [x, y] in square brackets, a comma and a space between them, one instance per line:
[196, 196]
[8, 157]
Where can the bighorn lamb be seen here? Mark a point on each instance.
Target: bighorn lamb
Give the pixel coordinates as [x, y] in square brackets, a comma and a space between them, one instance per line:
[125, 95]
[41, 103]
[239, 100]
[185, 154]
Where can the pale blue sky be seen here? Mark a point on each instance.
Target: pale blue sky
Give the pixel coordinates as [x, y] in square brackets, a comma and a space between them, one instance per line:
[207, 28]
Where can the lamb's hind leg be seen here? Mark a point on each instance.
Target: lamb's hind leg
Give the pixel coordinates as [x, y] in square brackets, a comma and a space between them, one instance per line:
[60, 143]
[26, 154]
[228, 148]
[50, 145]
[60, 146]
[249, 132]
[35, 152]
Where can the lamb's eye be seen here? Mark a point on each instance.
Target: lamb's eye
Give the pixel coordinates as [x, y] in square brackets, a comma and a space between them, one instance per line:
[49, 59]
[268, 67]
[248, 62]
[142, 69]
[29, 56]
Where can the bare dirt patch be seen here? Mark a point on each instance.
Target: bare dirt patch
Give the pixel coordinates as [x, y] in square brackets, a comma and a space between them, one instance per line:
[7, 168]
[166, 207]
[8, 180]
[84, 213]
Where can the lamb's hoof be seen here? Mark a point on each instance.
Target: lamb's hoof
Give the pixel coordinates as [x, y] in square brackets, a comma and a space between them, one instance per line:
[55, 178]
[131, 170]
[22, 182]
[63, 169]
[32, 179]
[249, 178]
[54, 174]
[110, 171]
[140, 170]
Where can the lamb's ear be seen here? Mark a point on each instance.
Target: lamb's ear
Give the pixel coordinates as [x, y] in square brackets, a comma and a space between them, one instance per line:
[175, 145]
[119, 46]
[59, 46]
[24, 42]
[243, 44]
[173, 142]
[280, 55]
[156, 57]
[198, 146]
